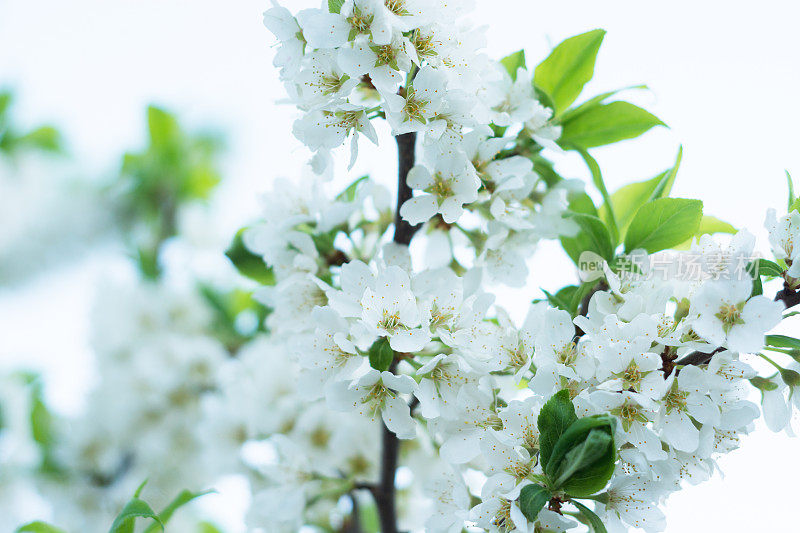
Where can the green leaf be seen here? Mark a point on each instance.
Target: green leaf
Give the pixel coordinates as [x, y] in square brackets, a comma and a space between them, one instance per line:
[135, 508]
[208, 527]
[581, 202]
[555, 417]
[41, 419]
[532, 498]
[594, 521]
[768, 268]
[708, 226]
[593, 477]
[608, 123]
[628, 199]
[782, 341]
[39, 527]
[247, 263]
[381, 354]
[593, 236]
[162, 126]
[792, 197]
[335, 6]
[763, 384]
[568, 68]
[5, 103]
[663, 223]
[349, 194]
[584, 455]
[45, 138]
[514, 62]
[563, 298]
[752, 270]
[664, 186]
[597, 179]
[180, 500]
[545, 170]
[594, 101]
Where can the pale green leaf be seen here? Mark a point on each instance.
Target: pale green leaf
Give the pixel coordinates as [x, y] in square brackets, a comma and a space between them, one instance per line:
[599, 183]
[568, 68]
[179, 501]
[595, 100]
[593, 236]
[135, 508]
[604, 124]
[663, 224]
[513, 62]
[39, 527]
[594, 521]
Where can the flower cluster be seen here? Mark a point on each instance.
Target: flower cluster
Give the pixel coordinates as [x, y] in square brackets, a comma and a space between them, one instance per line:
[385, 372]
[422, 345]
[397, 60]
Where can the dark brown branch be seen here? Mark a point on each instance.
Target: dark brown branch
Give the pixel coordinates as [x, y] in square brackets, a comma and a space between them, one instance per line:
[787, 295]
[406, 147]
[583, 307]
[384, 491]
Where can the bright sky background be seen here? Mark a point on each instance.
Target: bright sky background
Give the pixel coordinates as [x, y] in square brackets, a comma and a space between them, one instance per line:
[723, 75]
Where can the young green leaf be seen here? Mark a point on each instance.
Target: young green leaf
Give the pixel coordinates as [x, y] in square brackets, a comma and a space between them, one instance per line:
[594, 101]
[628, 199]
[349, 194]
[593, 236]
[763, 384]
[514, 62]
[381, 354]
[708, 226]
[792, 197]
[135, 508]
[568, 68]
[608, 123]
[247, 263]
[180, 500]
[335, 6]
[45, 138]
[532, 498]
[39, 527]
[663, 223]
[783, 341]
[555, 417]
[597, 180]
[594, 521]
[664, 186]
[768, 268]
[593, 476]
[584, 455]
[563, 298]
[581, 202]
[162, 126]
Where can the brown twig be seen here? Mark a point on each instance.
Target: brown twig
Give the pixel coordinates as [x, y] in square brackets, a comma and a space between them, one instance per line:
[406, 147]
[384, 491]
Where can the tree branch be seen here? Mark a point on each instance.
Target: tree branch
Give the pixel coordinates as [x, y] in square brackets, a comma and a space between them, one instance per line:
[406, 147]
[384, 491]
[787, 295]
